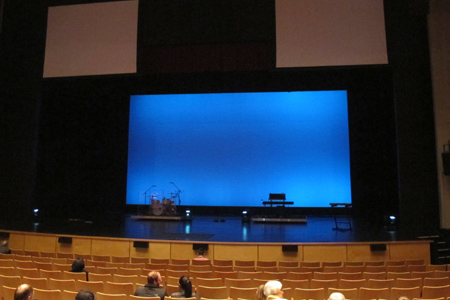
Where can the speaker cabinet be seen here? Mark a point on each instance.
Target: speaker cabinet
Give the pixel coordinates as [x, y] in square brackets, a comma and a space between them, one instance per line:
[377, 247]
[195, 247]
[446, 163]
[140, 244]
[289, 248]
[64, 240]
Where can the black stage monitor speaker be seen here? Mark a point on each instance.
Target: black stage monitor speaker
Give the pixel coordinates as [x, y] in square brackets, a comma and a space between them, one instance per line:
[200, 246]
[446, 162]
[377, 247]
[289, 248]
[139, 244]
[65, 240]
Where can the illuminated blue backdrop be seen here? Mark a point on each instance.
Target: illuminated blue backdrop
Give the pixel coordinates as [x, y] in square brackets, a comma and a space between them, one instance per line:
[234, 149]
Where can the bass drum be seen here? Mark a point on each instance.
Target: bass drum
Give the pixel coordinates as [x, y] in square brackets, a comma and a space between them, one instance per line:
[157, 208]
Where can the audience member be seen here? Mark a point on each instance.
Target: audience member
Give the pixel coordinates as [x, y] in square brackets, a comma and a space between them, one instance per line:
[152, 287]
[185, 288]
[260, 293]
[84, 294]
[4, 249]
[78, 267]
[402, 298]
[200, 253]
[336, 296]
[23, 292]
[273, 291]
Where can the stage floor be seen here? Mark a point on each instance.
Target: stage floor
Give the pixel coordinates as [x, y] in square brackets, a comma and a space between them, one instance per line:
[317, 229]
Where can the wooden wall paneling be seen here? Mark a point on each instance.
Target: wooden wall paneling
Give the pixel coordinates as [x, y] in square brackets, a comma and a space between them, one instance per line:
[275, 252]
[160, 250]
[325, 252]
[410, 250]
[80, 245]
[361, 252]
[182, 251]
[16, 240]
[112, 247]
[236, 251]
[46, 243]
[138, 252]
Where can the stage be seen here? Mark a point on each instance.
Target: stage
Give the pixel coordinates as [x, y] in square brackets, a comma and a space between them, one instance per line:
[217, 228]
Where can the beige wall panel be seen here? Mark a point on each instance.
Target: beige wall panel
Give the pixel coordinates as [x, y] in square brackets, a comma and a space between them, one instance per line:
[275, 252]
[363, 253]
[16, 241]
[236, 252]
[44, 243]
[324, 252]
[78, 246]
[182, 251]
[139, 252]
[159, 250]
[402, 251]
[110, 247]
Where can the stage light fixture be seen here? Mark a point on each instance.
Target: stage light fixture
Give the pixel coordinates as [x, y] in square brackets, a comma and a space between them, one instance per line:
[188, 213]
[36, 211]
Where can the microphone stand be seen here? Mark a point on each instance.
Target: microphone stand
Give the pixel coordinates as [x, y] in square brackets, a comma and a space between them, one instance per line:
[178, 193]
[145, 194]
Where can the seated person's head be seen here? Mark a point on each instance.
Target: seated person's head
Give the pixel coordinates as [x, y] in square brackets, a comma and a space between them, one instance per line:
[186, 285]
[201, 251]
[78, 265]
[154, 278]
[84, 294]
[336, 296]
[273, 288]
[23, 292]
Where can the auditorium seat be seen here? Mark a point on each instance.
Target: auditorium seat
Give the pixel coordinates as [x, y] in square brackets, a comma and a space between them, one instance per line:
[50, 274]
[48, 254]
[32, 253]
[131, 297]
[24, 264]
[395, 263]
[417, 274]
[105, 296]
[23, 257]
[62, 284]
[243, 283]
[176, 261]
[417, 261]
[299, 275]
[310, 264]
[200, 268]
[366, 293]
[290, 283]
[105, 270]
[244, 268]
[195, 262]
[129, 271]
[28, 272]
[7, 263]
[354, 269]
[68, 295]
[354, 263]
[164, 261]
[431, 281]
[266, 269]
[374, 275]
[100, 277]
[380, 283]
[429, 292]
[265, 263]
[245, 293]
[208, 281]
[97, 257]
[325, 275]
[395, 275]
[84, 256]
[408, 282]
[350, 284]
[134, 265]
[43, 265]
[114, 264]
[69, 256]
[332, 264]
[60, 260]
[222, 268]
[119, 288]
[410, 292]
[62, 267]
[243, 274]
[96, 263]
[93, 286]
[177, 267]
[436, 267]
[316, 294]
[139, 259]
[375, 269]
[289, 269]
[213, 292]
[351, 276]
[223, 262]
[47, 294]
[440, 274]
[244, 263]
[272, 275]
[395, 268]
[73, 275]
[8, 292]
[172, 288]
[326, 284]
[126, 279]
[291, 264]
[36, 282]
[9, 271]
[336, 269]
[224, 275]
[201, 274]
[375, 263]
[120, 259]
[417, 268]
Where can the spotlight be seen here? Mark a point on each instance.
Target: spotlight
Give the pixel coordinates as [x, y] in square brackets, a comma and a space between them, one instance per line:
[245, 216]
[187, 215]
[391, 222]
[36, 211]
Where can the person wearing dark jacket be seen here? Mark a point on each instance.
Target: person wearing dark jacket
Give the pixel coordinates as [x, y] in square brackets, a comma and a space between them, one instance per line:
[152, 288]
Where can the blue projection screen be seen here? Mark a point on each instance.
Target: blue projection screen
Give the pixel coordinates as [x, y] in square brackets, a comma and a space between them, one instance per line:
[234, 149]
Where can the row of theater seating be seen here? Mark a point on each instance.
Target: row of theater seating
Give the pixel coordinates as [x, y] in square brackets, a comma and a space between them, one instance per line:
[35, 255]
[223, 292]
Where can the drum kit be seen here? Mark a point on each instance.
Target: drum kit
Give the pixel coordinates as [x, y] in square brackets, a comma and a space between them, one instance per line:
[166, 207]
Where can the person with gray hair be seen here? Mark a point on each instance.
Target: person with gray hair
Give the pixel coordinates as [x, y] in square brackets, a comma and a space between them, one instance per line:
[336, 296]
[4, 249]
[273, 290]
